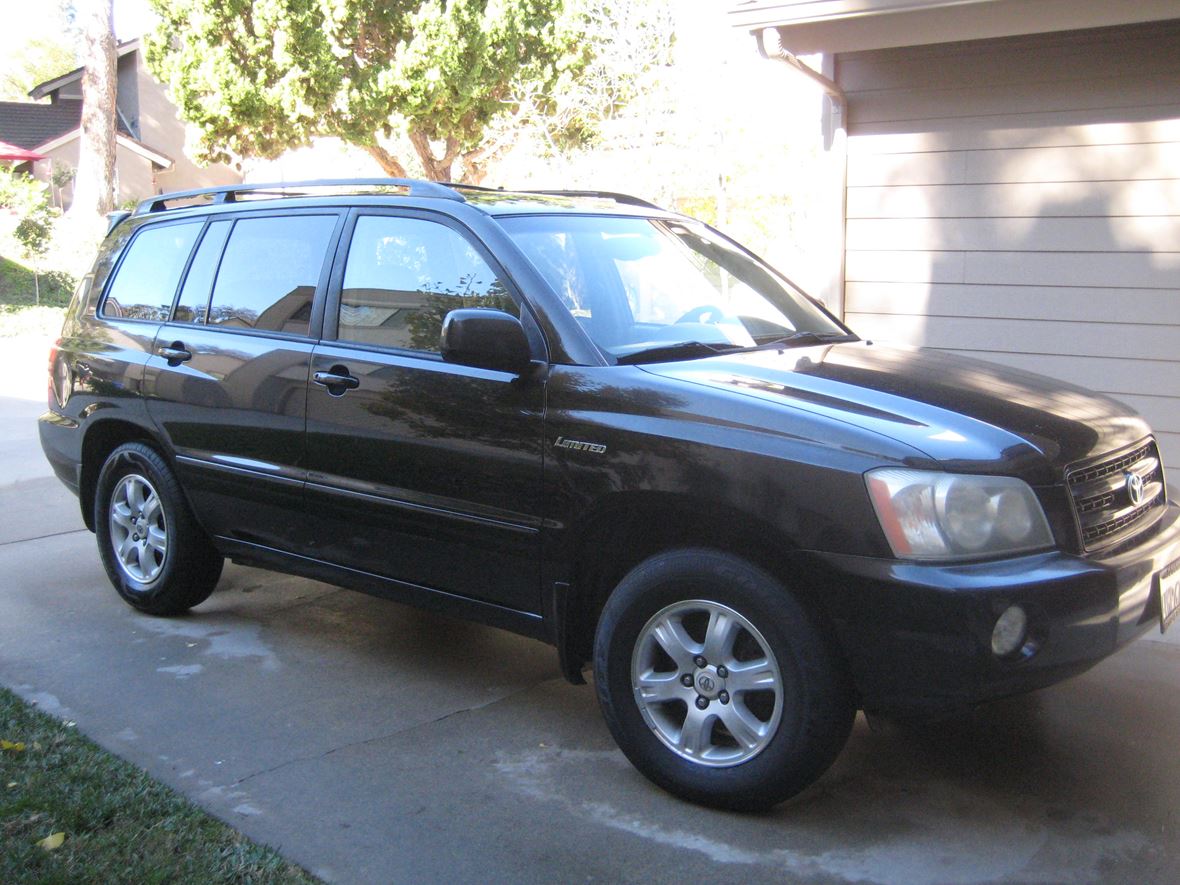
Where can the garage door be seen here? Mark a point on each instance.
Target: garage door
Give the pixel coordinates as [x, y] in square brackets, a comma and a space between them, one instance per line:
[1018, 200]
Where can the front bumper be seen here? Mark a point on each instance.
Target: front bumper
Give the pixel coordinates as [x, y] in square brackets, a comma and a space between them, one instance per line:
[918, 636]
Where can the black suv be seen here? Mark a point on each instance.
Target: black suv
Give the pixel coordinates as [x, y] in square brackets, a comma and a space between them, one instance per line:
[608, 427]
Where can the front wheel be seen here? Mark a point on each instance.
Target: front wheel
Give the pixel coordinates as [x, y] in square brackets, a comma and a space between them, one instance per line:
[157, 557]
[716, 683]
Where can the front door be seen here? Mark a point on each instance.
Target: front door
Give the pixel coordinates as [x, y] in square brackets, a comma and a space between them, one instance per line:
[419, 470]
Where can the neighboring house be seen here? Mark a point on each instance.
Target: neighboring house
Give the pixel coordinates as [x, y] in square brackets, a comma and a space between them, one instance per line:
[1013, 181]
[150, 156]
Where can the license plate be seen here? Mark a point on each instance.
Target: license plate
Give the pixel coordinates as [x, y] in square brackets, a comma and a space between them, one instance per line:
[1169, 595]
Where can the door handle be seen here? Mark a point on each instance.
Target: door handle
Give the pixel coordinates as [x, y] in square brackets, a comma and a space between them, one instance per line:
[175, 353]
[337, 380]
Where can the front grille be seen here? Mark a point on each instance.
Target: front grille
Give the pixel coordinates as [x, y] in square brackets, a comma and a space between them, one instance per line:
[1100, 491]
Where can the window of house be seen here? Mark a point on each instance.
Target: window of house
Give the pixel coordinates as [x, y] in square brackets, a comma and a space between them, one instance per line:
[269, 272]
[403, 276]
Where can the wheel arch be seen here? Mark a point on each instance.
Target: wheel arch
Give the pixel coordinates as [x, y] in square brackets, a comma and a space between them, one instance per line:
[102, 438]
[617, 536]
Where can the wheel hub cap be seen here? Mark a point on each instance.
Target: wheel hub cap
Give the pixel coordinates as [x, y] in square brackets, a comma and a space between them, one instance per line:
[709, 684]
[706, 683]
[139, 532]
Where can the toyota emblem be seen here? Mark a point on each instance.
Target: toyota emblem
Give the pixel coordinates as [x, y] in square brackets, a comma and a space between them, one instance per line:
[1134, 488]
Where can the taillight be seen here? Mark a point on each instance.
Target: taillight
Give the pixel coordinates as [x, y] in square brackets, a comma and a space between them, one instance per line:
[58, 391]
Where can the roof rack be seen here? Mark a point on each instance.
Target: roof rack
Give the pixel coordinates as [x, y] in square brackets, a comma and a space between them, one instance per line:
[625, 199]
[230, 193]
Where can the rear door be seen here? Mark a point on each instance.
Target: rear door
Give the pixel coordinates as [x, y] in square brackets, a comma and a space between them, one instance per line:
[227, 383]
[109, 355]
[419, 470]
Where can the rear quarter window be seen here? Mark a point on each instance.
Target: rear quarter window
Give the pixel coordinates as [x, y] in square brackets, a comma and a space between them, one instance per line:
[146, 279]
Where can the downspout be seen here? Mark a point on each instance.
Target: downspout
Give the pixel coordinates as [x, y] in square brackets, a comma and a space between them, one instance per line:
[770, 46]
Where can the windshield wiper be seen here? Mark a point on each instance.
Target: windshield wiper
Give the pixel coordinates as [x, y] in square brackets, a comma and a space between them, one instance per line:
[808, 338]
[681, 350]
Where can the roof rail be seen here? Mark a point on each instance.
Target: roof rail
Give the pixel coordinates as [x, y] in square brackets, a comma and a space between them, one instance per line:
[230, 193]
[625, 199]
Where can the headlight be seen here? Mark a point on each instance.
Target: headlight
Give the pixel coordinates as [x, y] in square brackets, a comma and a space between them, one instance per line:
[928, 515]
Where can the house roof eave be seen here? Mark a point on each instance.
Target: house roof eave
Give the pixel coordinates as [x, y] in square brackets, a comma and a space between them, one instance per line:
[131, 144]
[854, 25]
[43, 89]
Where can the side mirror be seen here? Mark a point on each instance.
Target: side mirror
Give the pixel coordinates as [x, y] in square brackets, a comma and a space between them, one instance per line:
[485, 339]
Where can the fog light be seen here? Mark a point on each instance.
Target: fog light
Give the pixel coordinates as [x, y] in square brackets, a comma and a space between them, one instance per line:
[1010, 630]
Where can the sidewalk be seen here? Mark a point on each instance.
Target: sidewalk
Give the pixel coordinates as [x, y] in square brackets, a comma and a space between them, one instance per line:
[23, 396]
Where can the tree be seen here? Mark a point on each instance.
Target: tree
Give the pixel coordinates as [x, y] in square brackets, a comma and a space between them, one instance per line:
[28, 199]
[260, 76]
[32, 50]
[94, 188]
[632, 45]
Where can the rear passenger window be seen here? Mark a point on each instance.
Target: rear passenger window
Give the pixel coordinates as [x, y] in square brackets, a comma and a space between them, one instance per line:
[268, 274]
[146, 281]
[193, 305]
[402, 277]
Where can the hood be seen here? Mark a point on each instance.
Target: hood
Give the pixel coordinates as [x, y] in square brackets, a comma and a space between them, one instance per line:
[957, 411]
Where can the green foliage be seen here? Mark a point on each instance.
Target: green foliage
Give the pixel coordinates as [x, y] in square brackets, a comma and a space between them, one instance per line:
[63, 175]
[19, 289]
[34, 234]
[28, 199]
[261, 76]
[111, 821]
[35, 46]
[22, 194]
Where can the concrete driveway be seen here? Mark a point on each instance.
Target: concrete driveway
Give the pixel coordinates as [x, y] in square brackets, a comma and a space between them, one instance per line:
[373, 743]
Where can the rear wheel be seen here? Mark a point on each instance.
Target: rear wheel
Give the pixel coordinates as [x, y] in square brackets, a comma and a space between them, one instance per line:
[155, 554]
[716, 683]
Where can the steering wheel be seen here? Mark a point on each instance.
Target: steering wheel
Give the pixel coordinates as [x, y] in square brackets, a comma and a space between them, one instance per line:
[698, 314]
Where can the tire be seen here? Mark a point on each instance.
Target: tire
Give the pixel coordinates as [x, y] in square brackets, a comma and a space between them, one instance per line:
[777, 703]
[157, 557]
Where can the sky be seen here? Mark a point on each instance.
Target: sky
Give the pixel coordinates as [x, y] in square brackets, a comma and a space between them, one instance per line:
[132, 18]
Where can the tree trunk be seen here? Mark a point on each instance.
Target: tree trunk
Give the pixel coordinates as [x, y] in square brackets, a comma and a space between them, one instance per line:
[477, 163]
[389, 163]
[436, 169]
[94, 189]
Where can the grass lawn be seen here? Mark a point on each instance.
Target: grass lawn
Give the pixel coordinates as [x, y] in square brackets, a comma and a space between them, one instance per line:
[17, 286]
[19, 316]
[119, 825]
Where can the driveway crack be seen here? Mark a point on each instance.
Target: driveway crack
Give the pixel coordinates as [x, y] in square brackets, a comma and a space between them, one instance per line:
[42, 537]
[381, 737]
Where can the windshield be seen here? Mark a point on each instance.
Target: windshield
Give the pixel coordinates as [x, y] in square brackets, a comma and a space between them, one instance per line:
[670, 289]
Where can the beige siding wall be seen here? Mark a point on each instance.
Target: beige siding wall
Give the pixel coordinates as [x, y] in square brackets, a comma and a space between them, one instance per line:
[161, 129]
[135, 173]
[1019, 200]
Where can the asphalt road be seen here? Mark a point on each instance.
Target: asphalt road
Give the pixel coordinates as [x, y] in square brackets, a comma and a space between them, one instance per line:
[373, 743]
